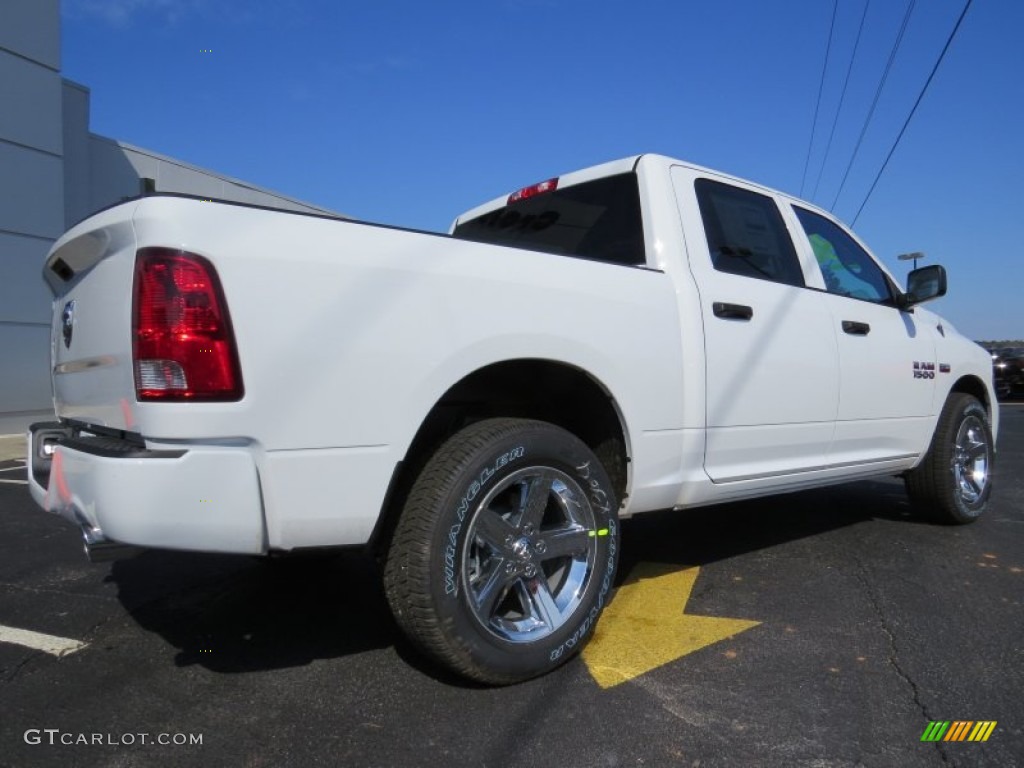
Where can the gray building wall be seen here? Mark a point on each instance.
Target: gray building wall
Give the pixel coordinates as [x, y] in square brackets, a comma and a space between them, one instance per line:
[54, 173]
[31, 201]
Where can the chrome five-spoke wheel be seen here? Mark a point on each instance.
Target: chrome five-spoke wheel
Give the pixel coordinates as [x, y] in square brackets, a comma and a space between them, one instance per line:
[530, 550]
[505, 551]
[953, 482]
[971, 459]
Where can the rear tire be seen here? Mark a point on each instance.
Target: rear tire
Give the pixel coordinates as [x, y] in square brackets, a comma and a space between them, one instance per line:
[505, 551]
[953, 483]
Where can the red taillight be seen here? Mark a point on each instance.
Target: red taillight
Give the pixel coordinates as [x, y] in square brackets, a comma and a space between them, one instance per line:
[532, 191]
[183, 348]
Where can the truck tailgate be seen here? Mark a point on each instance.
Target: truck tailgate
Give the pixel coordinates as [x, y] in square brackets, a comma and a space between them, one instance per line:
[91, 270]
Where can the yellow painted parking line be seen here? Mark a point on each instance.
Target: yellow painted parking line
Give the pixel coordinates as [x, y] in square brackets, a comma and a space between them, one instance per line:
[646, 626]
[37, 641]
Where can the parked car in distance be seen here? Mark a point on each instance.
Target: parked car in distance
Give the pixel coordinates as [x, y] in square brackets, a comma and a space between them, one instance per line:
[1008, 372]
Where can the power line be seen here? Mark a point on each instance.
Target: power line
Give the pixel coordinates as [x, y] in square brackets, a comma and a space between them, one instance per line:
[920, 96]
[842, 98]
[821, 87]
[874, 102]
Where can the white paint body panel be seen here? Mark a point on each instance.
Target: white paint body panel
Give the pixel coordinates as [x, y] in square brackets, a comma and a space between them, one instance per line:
[208, 499]
[772, 381]
[349, 333]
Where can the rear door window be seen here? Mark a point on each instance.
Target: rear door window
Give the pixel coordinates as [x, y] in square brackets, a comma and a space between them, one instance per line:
[597, 219]
[746, 234]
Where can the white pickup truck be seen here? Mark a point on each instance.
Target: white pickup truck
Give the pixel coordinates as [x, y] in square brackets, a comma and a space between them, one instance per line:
[482, 408]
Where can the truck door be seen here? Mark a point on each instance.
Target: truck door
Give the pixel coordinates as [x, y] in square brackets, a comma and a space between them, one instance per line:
[772, 384]
[886, 356]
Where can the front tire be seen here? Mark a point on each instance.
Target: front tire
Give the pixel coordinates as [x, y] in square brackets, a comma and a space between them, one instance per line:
[505, 551]
[953, 483]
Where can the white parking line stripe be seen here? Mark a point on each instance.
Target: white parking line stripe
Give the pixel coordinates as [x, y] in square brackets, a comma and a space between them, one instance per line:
[14, 482]
[58, 646]
[13, 469]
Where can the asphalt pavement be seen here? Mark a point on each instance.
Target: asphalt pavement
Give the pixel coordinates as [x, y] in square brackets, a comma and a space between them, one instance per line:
[861, 625]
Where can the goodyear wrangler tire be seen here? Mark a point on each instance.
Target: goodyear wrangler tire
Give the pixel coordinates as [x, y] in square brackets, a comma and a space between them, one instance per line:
[505, 551]
[953, 483]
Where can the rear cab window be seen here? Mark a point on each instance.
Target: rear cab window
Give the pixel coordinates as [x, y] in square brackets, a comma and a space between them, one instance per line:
[597, 219]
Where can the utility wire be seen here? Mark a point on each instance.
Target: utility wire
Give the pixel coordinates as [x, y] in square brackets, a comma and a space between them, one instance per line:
[920, 96]
[842, 98]
[821, 87]
[874, 102]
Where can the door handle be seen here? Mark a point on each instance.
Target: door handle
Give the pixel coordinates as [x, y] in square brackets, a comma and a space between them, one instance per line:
[732, 311]
[856, 329]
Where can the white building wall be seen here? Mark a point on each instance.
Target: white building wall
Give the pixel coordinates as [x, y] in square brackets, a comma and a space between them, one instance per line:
[53, 173]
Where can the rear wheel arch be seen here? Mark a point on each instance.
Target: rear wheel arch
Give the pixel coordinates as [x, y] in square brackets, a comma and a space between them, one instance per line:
[545, 390]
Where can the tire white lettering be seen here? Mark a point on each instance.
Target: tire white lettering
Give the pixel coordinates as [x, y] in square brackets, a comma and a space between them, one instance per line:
[451, 586]
[598, 495]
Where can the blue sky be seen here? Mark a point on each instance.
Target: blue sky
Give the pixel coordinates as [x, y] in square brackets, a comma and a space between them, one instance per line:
[410, 112]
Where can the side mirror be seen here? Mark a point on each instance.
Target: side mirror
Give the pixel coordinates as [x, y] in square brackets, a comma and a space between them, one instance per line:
[923, 285]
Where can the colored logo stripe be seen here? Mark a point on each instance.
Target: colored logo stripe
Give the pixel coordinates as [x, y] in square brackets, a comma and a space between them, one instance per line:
[982, 731]
[935, 730]
[958, 730]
